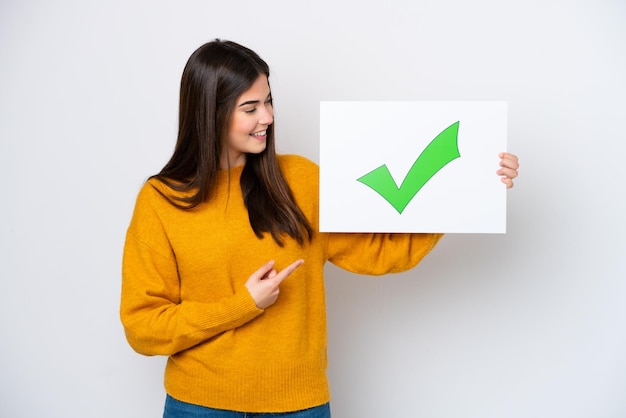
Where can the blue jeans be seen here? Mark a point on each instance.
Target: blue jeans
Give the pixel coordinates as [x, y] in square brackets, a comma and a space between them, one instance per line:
[178, 409]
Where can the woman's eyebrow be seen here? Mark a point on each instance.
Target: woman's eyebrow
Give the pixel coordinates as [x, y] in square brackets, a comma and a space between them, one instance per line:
[250, 102]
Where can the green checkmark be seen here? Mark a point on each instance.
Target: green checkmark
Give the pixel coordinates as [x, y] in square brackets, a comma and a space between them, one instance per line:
[441, 150]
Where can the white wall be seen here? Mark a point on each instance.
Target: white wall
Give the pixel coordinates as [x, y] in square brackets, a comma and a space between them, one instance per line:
[529, 324]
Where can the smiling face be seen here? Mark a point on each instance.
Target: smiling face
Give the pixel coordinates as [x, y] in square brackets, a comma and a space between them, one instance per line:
[252, 115]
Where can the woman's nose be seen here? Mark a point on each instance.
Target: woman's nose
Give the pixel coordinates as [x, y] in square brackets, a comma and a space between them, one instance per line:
[267, 116]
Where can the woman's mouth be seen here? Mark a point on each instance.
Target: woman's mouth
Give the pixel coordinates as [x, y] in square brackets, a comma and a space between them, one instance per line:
[259, 135]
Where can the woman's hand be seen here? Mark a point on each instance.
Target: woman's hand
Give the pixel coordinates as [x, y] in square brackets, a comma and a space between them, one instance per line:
[264, 283]
[508, 168]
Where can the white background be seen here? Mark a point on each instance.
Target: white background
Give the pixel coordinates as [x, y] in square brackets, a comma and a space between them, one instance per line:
[527, 324]
[463, 196]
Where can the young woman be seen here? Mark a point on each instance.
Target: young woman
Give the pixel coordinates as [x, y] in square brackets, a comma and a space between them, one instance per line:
[215, 236]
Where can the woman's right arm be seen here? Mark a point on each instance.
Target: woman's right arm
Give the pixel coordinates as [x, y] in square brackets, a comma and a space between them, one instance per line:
[156, 321]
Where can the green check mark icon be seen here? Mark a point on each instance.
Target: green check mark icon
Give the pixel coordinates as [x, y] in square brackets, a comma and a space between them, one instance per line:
[441, 151]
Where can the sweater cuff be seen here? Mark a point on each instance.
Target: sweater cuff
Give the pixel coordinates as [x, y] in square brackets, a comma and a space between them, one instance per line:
[235, 311]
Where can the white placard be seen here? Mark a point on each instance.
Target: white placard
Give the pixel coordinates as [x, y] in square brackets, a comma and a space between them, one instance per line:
[451, 187]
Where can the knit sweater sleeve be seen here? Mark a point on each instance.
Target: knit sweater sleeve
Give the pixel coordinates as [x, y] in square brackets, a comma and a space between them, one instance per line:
[156, 321]
[377, 254]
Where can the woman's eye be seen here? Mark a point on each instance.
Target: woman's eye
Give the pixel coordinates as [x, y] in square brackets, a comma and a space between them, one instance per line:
[250, 110]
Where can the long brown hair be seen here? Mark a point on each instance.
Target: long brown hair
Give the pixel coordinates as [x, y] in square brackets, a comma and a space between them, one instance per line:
[214, 78]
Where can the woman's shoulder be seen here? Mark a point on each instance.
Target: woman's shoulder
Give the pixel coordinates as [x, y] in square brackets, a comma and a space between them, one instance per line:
[155, 192]
[152, 188]
[302, 175]
[297, 164]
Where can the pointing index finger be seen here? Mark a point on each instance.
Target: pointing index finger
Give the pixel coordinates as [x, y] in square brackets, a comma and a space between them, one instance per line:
[284, 273]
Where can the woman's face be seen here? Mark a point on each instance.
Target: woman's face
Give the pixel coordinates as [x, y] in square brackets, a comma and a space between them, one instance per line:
[252, 114]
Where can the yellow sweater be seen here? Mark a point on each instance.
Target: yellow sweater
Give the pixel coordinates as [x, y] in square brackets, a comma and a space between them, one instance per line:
[183, 295]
